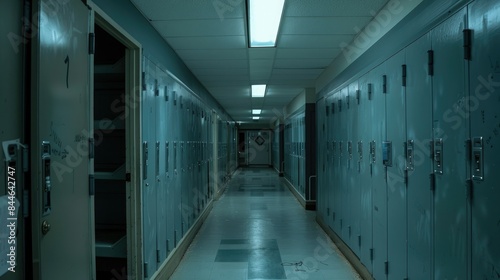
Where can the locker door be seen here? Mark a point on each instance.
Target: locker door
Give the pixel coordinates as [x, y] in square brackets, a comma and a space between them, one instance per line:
[330, 167]
[485, 123]
[396, 187]
[322, 129]
[169, 166]
[160, 161]
[149, 173]
[335, 184]
[344, 165]
[378, 172]
[449, 133]
[418, 161]
[364, 182]
[354, 181]
[61, 125]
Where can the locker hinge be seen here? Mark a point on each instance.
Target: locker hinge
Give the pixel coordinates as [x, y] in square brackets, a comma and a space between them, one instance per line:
[91, 148]
[386, 268]
[406, 177]
[371, 254]
[26, 158]
[349, 230]
[158, 258]
[469, 189]
[468, 44]
[91, 185]
[370, 91]
[333, 216]
[432, 178]
[128, 177]
[430, 62]
[146, 270]
[358, 95]
[327, 110]
[328, 211]
[157, 88]
[143, 80]
[26, 203]
[359, 241]
[384, 83]
[91, 43]
[404, 74]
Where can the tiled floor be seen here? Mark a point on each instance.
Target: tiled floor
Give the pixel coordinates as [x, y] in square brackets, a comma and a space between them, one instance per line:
[258, 230]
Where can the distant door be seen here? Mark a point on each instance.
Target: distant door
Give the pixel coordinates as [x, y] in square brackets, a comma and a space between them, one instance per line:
[259, 147]
[61, 129]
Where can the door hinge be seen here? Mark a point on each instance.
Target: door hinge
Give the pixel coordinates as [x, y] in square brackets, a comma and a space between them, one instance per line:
[468, 44]
[91, 43]
[146, 274]
[371, 254]
[143, 77]
[384, 84]
[370, 91]
[469, 189]
[404, 74]
[432, 178]
[430, 62]
[386, 268]
[91, 184]
[26, 203]
[91, 148]
[157, 88]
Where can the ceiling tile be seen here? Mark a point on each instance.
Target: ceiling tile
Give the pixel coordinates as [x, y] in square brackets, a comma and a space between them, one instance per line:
[313, 41]
[200, 28]
[339, 8]
[323, 25]
[283, 53]
[191, 9]
[207, 43]
[213, 54]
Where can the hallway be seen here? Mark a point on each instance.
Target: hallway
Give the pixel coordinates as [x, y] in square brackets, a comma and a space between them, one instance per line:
[258, 230]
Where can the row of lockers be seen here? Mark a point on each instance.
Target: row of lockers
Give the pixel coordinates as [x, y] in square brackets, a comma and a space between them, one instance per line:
[294, 152]
[181, 169]
[407, 174]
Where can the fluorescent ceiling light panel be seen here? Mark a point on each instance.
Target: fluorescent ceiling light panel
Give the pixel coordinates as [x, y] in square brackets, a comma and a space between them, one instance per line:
[258, 90]
[264, 17]
[256, 112]
[256, 118]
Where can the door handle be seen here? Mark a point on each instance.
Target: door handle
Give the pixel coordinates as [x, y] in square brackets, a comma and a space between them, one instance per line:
[46, 178]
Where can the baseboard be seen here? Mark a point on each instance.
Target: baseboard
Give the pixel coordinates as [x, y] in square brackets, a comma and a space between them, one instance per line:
[307, 204]
[170, 264]
[346, 251]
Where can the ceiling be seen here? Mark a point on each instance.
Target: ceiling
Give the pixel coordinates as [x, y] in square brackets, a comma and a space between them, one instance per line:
[210, 36]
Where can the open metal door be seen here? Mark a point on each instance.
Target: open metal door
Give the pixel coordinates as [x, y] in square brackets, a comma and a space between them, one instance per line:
[62, 200]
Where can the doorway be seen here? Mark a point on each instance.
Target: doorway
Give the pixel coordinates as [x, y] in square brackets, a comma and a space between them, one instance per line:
[117, 138]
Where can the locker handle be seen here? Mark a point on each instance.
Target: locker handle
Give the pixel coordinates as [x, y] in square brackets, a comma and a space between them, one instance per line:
[46, 178]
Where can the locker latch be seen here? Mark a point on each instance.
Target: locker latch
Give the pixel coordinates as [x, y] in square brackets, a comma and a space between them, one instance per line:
[477, 159]
[387, 153]
[409, 155]
[46, 178]
[438, 156]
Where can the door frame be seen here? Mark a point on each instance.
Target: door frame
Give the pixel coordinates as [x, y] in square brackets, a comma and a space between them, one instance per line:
[133, 135]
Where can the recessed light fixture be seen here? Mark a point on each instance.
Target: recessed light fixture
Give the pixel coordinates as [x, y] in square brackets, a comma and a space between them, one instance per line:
[264, 21]
[258, 90]
[256, 118]
[256, 111]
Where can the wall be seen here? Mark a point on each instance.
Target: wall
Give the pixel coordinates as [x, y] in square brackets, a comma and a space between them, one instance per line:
[12, 104]
[399, 188]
